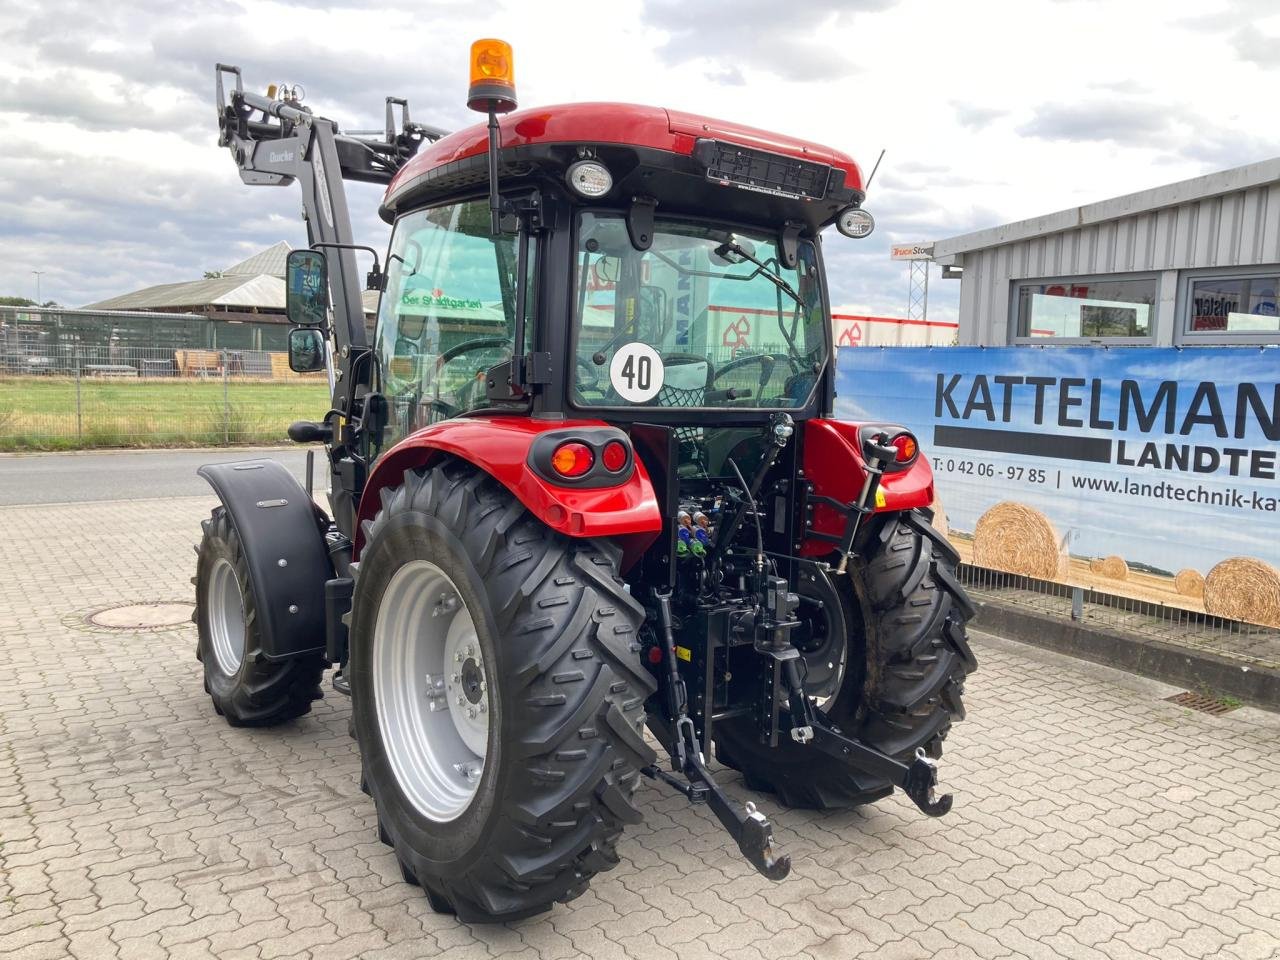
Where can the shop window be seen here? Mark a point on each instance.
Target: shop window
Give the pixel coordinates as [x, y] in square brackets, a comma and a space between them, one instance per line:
[1243, 305]
[1086, 308]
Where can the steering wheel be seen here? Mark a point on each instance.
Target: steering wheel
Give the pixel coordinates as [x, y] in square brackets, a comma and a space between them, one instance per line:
[767, 362]
[467, 346]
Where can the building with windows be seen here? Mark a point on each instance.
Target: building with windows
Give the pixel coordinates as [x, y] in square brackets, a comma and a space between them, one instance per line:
[1190, 263]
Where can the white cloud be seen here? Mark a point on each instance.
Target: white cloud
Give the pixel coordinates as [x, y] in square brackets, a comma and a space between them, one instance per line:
[110, 179]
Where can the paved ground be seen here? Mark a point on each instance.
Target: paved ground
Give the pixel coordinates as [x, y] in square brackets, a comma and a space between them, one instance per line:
[1092, 820]
[128, 474]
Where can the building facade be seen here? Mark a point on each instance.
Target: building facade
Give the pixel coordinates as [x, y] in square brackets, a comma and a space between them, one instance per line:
[1190, 263]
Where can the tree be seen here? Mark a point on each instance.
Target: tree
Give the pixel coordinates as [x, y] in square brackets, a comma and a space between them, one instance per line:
[212, 274]
[16, 302]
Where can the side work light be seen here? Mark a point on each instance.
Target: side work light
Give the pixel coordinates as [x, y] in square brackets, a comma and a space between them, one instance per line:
[855, 222]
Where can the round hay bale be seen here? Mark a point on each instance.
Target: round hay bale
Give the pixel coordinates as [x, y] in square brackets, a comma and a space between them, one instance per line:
[1113, 568]
[1095, 565]
[940, 522]
[1189, 583]
[1018, 539]
[1244, 588]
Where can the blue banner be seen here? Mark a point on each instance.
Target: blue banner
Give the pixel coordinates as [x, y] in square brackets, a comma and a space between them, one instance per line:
[1145, 472]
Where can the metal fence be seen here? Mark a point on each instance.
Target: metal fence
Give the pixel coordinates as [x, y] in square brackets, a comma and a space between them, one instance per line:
[1189, 628]
[78, 397]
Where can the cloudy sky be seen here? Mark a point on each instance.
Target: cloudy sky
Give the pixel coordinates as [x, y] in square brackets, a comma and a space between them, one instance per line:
[110, 178]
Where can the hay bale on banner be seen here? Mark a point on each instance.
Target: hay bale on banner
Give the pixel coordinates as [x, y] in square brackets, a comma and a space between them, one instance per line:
[1244, 588]
[1095, 565]
[1189, 583]
[940, 522]
[1019, 539]
[1113, 568]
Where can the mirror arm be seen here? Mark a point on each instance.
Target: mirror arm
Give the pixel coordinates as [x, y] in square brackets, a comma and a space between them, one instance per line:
[375, 279]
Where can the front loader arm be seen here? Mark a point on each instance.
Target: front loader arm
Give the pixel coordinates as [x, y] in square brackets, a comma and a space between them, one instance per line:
[277, 141]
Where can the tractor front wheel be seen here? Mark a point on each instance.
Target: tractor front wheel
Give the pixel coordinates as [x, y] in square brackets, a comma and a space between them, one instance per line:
[246, 688]
[497, 693]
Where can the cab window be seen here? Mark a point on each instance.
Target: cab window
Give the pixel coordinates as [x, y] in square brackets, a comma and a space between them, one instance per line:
[447, 315]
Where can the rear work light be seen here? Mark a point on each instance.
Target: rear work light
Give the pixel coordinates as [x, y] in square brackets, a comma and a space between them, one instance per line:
[572, 459]
[589, 179]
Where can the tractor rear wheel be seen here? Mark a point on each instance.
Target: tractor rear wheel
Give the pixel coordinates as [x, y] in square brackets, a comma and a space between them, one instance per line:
[246, 688]
[907, 658]
[497, 693]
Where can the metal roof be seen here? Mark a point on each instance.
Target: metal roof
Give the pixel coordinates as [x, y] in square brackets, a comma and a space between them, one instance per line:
[257, 282]
[228, 291]
[269, 262]
[1171, 195]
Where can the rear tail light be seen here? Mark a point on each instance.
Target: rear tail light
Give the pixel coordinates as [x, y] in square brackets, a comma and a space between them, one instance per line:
[906, 446]
[572, 459]
[614, 456]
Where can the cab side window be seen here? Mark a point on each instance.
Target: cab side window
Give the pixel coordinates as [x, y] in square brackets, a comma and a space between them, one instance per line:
[447, 315]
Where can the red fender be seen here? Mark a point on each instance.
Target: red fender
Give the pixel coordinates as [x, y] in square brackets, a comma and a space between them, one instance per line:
[834, 464]
[500, 446]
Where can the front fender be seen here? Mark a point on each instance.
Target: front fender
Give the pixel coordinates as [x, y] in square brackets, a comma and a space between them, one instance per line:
[835, 465]
[280, 530]
[500, 447]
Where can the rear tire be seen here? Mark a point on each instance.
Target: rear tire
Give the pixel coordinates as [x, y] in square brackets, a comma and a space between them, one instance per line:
[246, 688]
[556, 634]
[908, 659]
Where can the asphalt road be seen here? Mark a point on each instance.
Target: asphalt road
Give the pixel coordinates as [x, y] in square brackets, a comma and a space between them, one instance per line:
[126, 474]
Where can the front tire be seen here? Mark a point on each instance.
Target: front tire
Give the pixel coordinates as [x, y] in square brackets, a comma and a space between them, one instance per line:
[246, 688]
[553, 638]
[908, 657]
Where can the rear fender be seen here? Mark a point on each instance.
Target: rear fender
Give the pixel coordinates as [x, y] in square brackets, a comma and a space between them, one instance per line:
[834, 463]
[626, 510]
[281, 532]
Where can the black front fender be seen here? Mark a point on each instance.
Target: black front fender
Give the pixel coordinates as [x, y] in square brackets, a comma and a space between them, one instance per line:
[281, 531]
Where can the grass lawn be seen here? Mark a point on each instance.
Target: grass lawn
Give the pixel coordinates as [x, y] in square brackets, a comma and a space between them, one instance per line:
[40, 413]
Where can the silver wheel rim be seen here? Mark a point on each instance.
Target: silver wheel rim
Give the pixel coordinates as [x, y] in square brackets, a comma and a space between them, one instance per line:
[430, 691]
[226, 617]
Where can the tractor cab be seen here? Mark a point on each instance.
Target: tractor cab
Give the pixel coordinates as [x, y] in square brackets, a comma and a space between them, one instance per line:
[648, 266]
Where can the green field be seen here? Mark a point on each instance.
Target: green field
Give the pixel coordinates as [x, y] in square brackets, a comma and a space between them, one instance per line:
[43, 413]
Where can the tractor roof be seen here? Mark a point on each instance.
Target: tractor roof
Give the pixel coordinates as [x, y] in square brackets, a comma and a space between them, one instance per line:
[627, 138]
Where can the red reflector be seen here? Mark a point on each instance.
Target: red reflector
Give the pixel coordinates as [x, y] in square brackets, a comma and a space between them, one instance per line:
[572, 459]
[906, 446]
[655, 654]
[614, 456]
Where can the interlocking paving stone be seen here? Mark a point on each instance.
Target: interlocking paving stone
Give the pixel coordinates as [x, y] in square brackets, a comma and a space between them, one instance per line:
[1093, 820]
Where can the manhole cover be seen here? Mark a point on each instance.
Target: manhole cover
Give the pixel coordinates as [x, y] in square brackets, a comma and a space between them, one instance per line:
[159, 615]
[1198, 701]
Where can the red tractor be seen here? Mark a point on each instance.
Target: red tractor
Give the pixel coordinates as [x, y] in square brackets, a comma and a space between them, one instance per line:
[584, 482]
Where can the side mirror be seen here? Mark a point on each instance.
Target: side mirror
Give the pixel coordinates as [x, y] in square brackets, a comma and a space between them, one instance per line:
[306, 350]
[306, 292]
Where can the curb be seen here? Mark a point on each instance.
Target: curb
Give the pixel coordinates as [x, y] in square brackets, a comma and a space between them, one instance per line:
[1158, 659]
